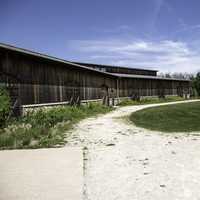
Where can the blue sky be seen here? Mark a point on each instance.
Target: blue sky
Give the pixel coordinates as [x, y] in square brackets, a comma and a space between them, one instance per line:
[160, 34]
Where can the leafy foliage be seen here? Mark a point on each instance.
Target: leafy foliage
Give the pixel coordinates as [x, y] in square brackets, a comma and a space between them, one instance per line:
[46, 127]
[150, 100]
[4, 106]
[196, 83]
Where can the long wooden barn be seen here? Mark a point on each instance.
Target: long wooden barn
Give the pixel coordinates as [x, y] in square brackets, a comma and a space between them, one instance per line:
[37, 79]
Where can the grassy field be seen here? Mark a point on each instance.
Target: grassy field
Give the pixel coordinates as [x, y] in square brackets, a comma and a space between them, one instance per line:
[183, 117]
[46, 127]
[150, 100]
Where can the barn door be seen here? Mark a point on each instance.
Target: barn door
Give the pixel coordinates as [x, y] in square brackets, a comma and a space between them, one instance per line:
[75, 94]
[105, 95]
[161, 90]
[15, 99]
[180, 91]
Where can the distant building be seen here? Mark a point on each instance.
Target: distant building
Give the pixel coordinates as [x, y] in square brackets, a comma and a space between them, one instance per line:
[35, 78]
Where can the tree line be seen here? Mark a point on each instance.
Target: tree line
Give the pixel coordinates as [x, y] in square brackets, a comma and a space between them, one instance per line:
[195, 78]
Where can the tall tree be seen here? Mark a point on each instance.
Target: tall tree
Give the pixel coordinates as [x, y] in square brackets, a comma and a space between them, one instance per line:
[196, 83]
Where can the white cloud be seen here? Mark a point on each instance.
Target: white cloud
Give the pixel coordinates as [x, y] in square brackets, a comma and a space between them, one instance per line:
[166, 56]
[188, 28]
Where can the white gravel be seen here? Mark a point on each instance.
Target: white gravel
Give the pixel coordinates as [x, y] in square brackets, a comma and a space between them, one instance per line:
[124, 162]
[41, 174]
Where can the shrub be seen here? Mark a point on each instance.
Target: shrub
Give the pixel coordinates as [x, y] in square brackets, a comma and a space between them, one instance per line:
[196, 83]
[45, 127]
[4, 106]
[150, 100]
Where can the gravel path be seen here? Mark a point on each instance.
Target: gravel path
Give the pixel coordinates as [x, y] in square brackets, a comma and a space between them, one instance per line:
[123, 162]
[41, 174]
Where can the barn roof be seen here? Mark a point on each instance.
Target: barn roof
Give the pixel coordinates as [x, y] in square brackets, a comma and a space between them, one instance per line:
[47, 57]
[114, 66]
[146, 77]
[81, 65]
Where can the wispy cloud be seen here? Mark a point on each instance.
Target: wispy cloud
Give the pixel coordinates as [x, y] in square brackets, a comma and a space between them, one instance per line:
[158, 5]
[166, 56]
[186, 27]
[118, 29]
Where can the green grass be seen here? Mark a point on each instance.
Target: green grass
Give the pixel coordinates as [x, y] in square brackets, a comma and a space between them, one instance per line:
[150, 100]
[45, 128]
[184, 117]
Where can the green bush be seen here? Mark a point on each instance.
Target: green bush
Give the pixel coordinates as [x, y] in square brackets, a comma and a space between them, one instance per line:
[150, 100]
[196, 84]
[45, 127]
[4, 106]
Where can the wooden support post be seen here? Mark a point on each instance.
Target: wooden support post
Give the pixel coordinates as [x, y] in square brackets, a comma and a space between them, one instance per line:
[118, 90]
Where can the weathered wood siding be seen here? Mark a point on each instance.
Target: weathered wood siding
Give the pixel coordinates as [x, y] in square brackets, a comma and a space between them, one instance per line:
[42, 80]
[151, 87]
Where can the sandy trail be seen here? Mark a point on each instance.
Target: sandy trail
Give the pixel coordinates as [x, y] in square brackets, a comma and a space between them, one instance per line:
[124, 162]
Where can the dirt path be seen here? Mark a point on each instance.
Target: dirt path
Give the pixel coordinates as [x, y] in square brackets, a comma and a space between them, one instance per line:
[41, 174]
[123, 162]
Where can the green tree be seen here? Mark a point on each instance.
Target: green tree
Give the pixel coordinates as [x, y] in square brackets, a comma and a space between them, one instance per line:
[4, 106]
[196, 83]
